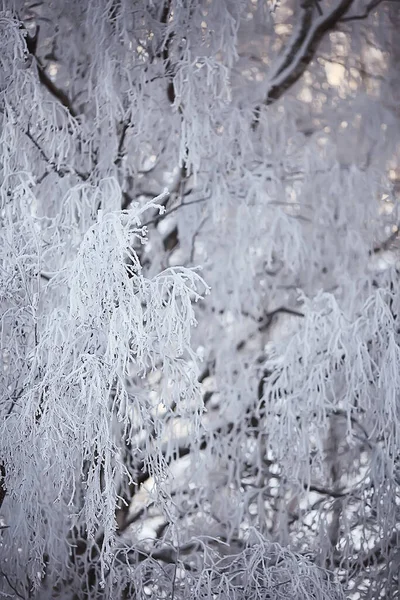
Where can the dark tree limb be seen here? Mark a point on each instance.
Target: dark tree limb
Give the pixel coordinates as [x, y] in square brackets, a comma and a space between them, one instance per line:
[325, 491]
[166, 53]
[56, 92]
[3, 490]
[281, 309]
[368, 9]
[295, 43]
[301, 47]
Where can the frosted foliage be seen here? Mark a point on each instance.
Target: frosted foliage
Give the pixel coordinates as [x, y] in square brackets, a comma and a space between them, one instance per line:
[349, 360]
[62, 423]
[158, 440]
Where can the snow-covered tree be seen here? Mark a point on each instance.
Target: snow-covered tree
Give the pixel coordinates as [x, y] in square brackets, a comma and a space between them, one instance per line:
[158, 440]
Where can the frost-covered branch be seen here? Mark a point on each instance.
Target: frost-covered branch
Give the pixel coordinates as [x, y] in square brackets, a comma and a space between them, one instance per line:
[302, 46]
[154, 442]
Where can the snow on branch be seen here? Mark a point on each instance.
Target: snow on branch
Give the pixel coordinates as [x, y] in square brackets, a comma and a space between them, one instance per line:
[256, 569]
[118, 321]
[302, 45]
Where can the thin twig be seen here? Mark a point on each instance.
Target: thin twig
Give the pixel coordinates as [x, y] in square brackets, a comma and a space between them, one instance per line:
[174, 209]
[14, 401]
[11, 585]
[175, 568]
[60, 171]
[282, 309]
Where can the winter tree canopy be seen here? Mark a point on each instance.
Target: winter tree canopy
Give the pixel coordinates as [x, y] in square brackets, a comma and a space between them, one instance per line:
[200, 305]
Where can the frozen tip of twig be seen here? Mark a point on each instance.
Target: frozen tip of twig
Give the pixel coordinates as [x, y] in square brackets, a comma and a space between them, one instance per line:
[164, 194]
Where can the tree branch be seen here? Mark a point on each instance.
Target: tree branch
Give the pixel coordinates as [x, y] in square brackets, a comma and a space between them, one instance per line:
[282, 309]
[125, 125]
[388, 242]
[60, 171]
[172, 210]
[325, 491]
[60, 95]
[3, 490]
[56, 92]
[14, 589]
[301, 48]
[302, 27]
[369, 8]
